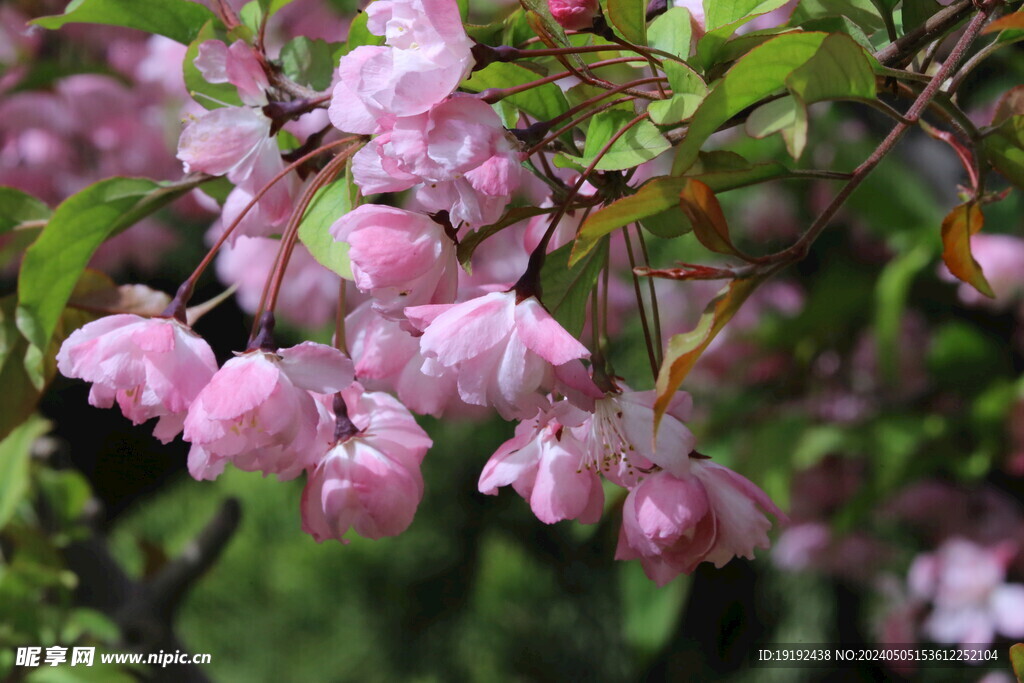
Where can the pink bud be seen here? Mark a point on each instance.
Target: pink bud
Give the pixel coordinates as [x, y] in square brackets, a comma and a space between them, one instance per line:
[574, 15]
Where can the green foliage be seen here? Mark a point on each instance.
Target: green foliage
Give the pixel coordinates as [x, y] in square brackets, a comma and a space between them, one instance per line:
[54, 263]
[543, 103]
[671, 32]
[179, 20]
[18, 209]
[311, 62]
[329, 203]
[15, 451]
[628, 18]
[565, 289]
[642, 142]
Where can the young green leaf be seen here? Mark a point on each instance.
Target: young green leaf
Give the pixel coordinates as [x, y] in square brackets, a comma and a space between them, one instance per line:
[672, 32]
[688, 91]
[640, 143]
[785, 115]
[565, 288]
[1005, 149]
[1017, 660]
[838, 70]
[329, 203]
[54, 263]
[758, 74]
[722, 18]
[179, 20]
[310, 62]
[957, 228]
[684, 349]
[628, 17]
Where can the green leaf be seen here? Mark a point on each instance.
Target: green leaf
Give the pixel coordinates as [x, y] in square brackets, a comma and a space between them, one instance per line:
[271, 6]
[957, 228]
[653, 197]
[719, 13]
[543, 103]
[330, 203]
[672, 32]
[688, 91]
[18, 209]
[1005, 149]
[758, 74]
[629, 18]
[838, 70]
[861, 12]
[890, 303]
[642, 142]
[565, 288]
[54, 263]
[15, 450]
[721, 171]
[310, 62]
[785, 115]
[179, 20]
[359, 35]
[684, 349]
[209, 95]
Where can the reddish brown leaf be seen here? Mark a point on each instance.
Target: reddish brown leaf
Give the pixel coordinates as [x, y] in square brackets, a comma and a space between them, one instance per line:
[1010, 21]
[705, 213]
[957, 228]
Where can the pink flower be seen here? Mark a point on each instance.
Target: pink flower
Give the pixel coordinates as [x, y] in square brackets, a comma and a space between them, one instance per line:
[152, 367]
[400, 257]
[459, 154]
[503, 353]
[574, 15]
[369, 481]
[542, 463]
[620, 437]
[427, 54]
[971, 601]
[673, 522]
[237, 65]
[258, 412]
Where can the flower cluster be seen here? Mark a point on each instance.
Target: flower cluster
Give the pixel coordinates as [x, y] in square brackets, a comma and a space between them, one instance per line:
[432, 328]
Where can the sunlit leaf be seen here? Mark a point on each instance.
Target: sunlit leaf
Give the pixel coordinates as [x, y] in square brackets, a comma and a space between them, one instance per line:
[179, 20]
[672, 32]
[957, 228]
[758, 74]
[53, 264]
[542, 102]
[329, 204]
[642, 142]
[1017, 660]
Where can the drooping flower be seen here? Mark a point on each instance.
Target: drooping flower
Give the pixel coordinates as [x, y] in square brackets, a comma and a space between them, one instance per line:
[426, 55]
[673, 521]
[152, 367]
[369, 481]
[401, 258]
[505, 353]
[257, 411]
[574, 15]
[542, 463]
[237, 65]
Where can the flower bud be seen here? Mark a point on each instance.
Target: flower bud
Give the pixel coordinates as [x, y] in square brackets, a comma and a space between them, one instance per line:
[574, 15]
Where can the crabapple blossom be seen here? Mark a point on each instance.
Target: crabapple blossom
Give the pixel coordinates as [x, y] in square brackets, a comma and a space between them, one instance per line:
[673, 521]
[425, 56]
[400, 257]
[574, 15]
[152, 367]
[457, 154]
[966, 584]
[369, 480]
[237, 65]
[542, 463]
[257, 411]
[503, 352]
